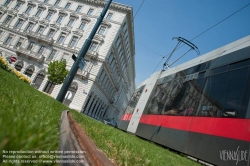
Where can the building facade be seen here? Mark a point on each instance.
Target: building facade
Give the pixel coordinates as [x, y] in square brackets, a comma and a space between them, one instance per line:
[40, 31]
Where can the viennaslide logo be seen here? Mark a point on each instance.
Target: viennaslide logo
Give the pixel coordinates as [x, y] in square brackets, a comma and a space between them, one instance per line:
[234, 155]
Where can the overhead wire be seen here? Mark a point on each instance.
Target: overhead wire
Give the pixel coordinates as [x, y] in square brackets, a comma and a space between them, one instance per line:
[209, 29]
[139, 8]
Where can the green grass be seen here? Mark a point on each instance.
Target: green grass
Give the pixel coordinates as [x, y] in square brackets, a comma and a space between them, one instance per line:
[126, 149]
[29, 120]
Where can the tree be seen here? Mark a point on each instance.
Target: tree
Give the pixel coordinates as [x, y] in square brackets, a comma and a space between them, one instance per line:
[57, 71]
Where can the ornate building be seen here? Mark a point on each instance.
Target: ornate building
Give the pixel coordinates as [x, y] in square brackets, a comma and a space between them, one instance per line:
[40, 31]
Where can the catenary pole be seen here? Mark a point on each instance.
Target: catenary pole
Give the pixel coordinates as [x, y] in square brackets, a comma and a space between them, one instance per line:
[68, 80]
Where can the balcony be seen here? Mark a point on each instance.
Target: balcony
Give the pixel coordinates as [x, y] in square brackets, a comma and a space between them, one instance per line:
[34, 18]
[55, 24]
[2, 24]
[24, 15]
[93, 54]
[20, 51]
[3, 8]
[44, 22]
[83, 74]
[12, 11]
[66, 28]
[40, 37]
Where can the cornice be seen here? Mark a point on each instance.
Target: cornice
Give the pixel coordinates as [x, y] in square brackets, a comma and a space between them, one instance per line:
[23, 15]
[66, 29]
[41, 6]
[114, 5]
[85, 19]
[22, 1]
[78, 32]
[44, 22]
[31, 3]
[13, 30]
[34, 19]
[63, 12]
[55, 25]
[73, 14]
[106, 23]
[52, 9]
[12, 12]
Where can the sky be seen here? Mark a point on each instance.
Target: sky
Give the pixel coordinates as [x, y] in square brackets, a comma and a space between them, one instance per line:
[158, 21]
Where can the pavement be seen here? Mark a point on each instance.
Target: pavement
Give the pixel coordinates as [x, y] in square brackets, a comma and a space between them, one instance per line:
[75, 142]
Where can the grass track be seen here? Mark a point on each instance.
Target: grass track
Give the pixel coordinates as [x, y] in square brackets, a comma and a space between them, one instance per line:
[29, 120]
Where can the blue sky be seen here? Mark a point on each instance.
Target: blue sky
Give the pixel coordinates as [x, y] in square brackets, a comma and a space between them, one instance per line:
[158, 21]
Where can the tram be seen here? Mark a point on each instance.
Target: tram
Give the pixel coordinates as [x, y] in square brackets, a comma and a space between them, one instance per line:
[200, 108]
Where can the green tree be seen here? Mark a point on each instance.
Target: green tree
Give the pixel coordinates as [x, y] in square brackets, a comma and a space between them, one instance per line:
[57, 71]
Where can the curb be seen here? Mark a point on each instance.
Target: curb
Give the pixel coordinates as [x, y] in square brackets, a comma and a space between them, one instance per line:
[73, 138]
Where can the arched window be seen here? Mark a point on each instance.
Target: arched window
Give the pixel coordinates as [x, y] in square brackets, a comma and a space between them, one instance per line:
[19, 66]
[29, 71]
[39, 79]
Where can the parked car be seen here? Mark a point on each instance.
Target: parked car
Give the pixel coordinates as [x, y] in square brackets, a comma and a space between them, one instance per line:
[110, 122]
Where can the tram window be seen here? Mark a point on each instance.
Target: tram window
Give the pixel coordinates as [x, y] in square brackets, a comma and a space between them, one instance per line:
[218, 70]
[202, 74]
[202, 67]
[190, 70]
[239, 64]
[228, 91]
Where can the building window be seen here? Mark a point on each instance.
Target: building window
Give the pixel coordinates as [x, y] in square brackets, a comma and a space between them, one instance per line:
[38, 13]
[57, 2]
[27, 11]
[29, 26]
[46, 1]
[71, 21]
[39, 79]
[7, 19]
[90, 11]
[19, 43]
[59, 20]
[41, 50]
[79, 8]
[51, 33]
[49, 87]
[93, 46]
[82, 25]
[109, 16]
[102, 30]
[40, 29]
[30, 46]
[19, 67]
[65, 56]
[18, 5]
[7, 2]
[67, 5]
[49, 15]
[29, 72]
[85, 65]
[8, 40]
[61, 38]
[73, 41]
[52, 55]
[19, 23]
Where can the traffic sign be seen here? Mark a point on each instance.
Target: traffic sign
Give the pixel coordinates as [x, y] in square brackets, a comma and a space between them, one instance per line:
[13, 59]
